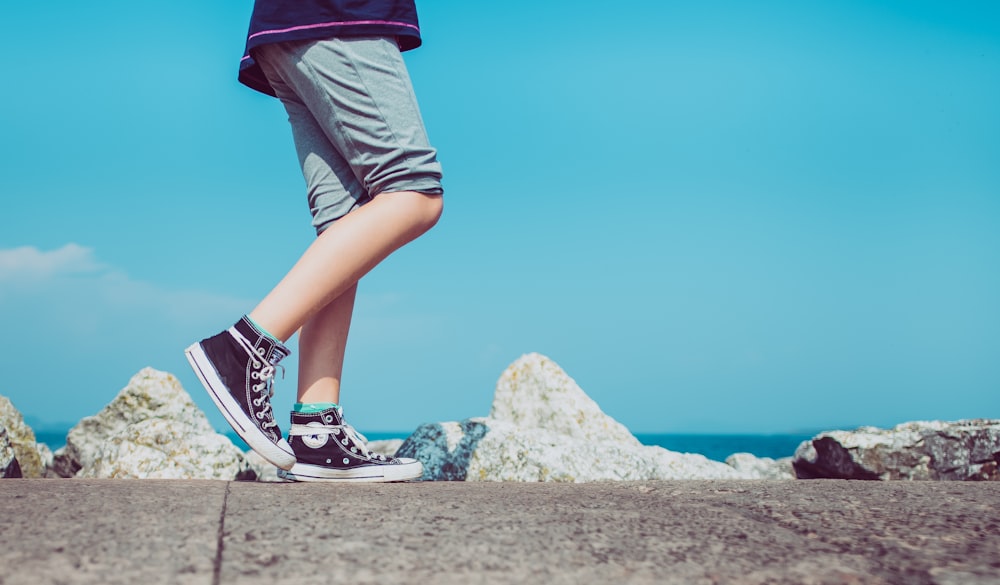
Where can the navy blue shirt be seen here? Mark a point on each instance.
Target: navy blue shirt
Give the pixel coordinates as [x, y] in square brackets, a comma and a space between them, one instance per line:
[301, 20]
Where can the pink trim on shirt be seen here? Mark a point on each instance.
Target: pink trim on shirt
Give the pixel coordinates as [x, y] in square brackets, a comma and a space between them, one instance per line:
[335, 23]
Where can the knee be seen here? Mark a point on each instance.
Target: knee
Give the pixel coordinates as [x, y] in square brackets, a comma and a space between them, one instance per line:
[424, 210]
[433, 207]
[416, 212]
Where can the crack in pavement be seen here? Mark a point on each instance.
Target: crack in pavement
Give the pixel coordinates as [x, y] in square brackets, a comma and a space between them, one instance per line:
[217, 564]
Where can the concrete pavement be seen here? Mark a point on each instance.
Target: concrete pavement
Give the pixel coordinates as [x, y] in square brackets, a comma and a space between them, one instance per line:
[698, 532]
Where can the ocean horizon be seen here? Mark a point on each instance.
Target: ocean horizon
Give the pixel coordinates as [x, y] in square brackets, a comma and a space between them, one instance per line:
[713, 446]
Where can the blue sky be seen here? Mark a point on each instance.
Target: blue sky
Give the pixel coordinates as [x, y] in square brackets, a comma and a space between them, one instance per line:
[717, 216]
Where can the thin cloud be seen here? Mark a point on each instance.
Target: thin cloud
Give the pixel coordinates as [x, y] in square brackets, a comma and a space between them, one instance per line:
[71, 286]
[28, 262]
[73, 283]
[81, 326]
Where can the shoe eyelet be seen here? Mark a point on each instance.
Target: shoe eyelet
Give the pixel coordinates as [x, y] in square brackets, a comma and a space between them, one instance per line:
[329, 461]
[329, 418]
[344, 442]
[354, 449]
[346, 460]
[260, 416]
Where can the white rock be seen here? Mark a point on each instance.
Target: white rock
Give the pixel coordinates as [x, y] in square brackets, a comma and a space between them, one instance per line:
[755, 467]
[492, 450]
[46, 456]
[152, 429]
[387, 447]
[164, 449]
[20, 439]
[535, 393]
[9, 467]
[543, 427]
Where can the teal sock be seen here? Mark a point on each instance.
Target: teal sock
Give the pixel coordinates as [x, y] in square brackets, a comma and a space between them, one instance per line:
[262, 330]
[312, 407]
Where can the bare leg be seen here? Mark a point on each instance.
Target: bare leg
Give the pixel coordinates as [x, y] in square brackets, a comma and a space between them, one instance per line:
[342, 254]
[322, 342]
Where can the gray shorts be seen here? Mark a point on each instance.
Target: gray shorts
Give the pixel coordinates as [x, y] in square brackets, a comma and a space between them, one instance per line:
[355, 121]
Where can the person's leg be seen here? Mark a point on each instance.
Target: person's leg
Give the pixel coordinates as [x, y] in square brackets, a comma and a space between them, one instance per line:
[322, 343]
[367, 111]
[333, 191]
[341, 255]
[373, 178]
[363, 125]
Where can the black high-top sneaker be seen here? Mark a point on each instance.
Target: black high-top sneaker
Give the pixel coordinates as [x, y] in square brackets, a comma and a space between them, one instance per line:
[237, 368]
[327, 449]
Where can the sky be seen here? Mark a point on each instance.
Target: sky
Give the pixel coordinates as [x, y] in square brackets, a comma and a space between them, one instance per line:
[716, 216]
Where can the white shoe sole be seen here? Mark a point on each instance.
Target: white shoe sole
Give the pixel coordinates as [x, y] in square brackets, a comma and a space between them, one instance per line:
[279, 454]
[409, 469]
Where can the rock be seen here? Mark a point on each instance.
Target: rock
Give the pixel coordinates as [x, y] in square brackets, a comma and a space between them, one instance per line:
[484, 449]
[934, 450]
[9, 467]
[753, 467]
[543, 427]
[535, 393]
[152, 429]
[21, 441]
[63, 464]
[445, 449]
[263, 469]
[387, 447]
[47, 457]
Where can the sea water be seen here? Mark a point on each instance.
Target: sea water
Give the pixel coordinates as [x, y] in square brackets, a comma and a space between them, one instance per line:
[716, 447]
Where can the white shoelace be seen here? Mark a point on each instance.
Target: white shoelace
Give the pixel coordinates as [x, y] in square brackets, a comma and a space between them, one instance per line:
[264, 372]
[351, 437]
